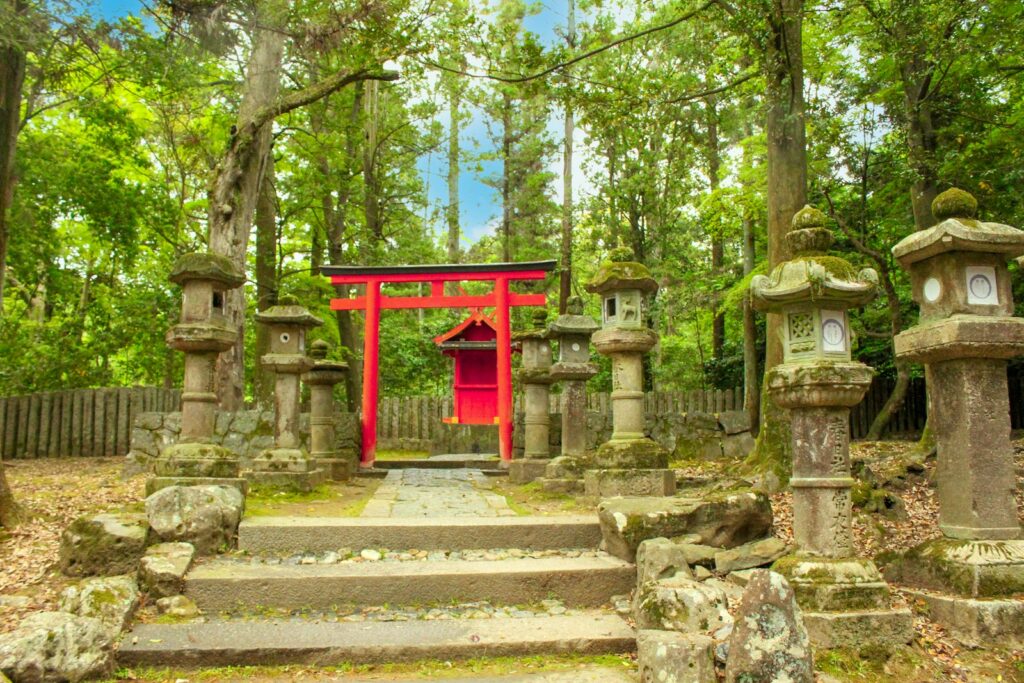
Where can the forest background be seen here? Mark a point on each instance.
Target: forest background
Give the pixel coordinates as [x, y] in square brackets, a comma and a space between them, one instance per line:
[288, 135]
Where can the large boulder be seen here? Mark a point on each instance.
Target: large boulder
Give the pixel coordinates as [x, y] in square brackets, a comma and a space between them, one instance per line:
[681, 604]
[671, 657]
[749, 555]
[205, 516]
[110, 599]
[725, 520]
[162, 570]
[769, 641]
[105, 545]
[57, 646]
[660, 558]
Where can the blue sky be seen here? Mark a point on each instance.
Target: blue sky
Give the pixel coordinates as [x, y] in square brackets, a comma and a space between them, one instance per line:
[479, 204]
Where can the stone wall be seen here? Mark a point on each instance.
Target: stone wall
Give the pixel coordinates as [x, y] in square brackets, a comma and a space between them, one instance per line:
[687, 436]
[246, 432]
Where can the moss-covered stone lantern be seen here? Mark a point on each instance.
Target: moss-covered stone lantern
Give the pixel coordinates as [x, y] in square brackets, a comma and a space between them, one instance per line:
[818, 382]
[573, 331]
[321, 379]
[287, 465]
[201, 334]
[630, 462]
[966, 335]
[535, 376]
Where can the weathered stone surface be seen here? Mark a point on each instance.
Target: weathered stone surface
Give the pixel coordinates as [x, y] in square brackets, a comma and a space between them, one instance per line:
[162, 570]
[660, 558]
[855, 629]
[827, 584]
[977, 623]
[103, 545]
[110, 599]
[178, 606]
[721, 519]
[734, 421]
[525, 470]
[629, 482]
[755, 554]
[670, 657]
[973, 569]
[697, 554]
[205, 516]
[681, 604]
[769, 641]
[56, 646]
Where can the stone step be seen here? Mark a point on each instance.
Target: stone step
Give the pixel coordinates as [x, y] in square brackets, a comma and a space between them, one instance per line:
[259, 535]
[235, 643]
[221, 585]
[432, 464]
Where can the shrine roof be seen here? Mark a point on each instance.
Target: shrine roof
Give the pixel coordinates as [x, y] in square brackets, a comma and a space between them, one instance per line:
[476, 317]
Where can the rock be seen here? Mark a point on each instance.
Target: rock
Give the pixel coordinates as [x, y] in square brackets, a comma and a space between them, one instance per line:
[107, 544]
[725, 520]
[370, 555]
[177, 606]
[756, 554]
[698, 555]
[681, 604]
[700, 573]
[769, 641]
[734, 421]
[57, 646]
[670, 657]
[659, 558]
[162, 570]
[741, 578]
[110, 599]
[205, 516]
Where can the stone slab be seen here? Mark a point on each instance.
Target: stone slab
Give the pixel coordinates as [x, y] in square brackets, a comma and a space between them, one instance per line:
[972, 569]
[154, 484]
[319, 534]
[286, 481]
[286, 642]
[976, 623]
[859, 628]
[434, 463]
[672, 657]
[526, 470]
[580, 582]
[623, 482]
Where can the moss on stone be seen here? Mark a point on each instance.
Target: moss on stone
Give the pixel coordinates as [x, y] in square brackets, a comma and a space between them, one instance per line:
[809, 217]
[622, 275]
[838, 267]
[954, 203]
[205, 266]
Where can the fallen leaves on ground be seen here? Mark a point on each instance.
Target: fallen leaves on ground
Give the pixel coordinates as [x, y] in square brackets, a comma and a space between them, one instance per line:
[52, 492]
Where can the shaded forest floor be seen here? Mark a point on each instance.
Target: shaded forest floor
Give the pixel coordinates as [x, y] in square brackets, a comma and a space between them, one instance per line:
[55, 491]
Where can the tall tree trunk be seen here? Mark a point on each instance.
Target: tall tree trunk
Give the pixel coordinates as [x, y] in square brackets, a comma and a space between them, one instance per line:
[565, 274]
[9, 510]
[12, 80]
[266, 280]
[452, 210]
[371, 197]
[235, 186]
[751, 376]
[921, 139]
[717, 238]
[786, 194]
[506, 177]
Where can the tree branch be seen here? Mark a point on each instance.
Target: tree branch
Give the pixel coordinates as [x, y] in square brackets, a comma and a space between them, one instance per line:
[317, 91]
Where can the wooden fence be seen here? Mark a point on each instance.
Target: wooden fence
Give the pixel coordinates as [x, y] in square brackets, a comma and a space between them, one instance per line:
[79, 422]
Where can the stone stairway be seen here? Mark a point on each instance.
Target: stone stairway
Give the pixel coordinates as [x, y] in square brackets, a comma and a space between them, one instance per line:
[444, 584]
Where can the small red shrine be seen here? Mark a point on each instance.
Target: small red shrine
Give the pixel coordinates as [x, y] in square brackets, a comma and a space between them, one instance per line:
[473, 344]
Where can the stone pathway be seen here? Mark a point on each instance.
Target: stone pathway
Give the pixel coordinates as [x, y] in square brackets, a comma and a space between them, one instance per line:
[436, 493]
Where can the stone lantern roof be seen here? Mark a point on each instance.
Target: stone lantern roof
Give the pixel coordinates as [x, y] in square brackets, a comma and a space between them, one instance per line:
[206, 266]
[538, 331]
[812, 275]
[573, 321]
[959, 230]
[620, 272]
[289, 312]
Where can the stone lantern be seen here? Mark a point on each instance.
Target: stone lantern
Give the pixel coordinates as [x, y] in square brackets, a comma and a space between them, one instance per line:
[629, 463]
[845, 600]
[535, 376]
[573, 331]
[201, 334]
[966, 335]
[321, 380]
[286, 465]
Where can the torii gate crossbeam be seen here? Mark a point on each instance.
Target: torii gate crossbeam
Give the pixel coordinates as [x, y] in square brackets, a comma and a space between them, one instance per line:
[373, 302]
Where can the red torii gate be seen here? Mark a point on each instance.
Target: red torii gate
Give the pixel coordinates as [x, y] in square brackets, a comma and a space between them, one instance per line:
[372, 303]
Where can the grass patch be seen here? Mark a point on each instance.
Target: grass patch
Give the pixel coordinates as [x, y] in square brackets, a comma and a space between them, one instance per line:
[432, 669]
[333, 499]
[530, 499]
[402, 455]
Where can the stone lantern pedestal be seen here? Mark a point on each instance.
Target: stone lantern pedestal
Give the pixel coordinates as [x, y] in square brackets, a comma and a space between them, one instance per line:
[536, 378]
[844, 600]
[322, 438]
[629, 463]
[286, 466]
[573, 331]
[973, 577]
[202, 333]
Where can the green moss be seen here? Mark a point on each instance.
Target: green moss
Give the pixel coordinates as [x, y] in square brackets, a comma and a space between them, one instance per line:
[209, 266]
[839, 268]
[809, 217]
[622, 275]
[954, 203]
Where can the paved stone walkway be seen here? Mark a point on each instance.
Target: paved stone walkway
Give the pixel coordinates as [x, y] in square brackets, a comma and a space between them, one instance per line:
[436, 493]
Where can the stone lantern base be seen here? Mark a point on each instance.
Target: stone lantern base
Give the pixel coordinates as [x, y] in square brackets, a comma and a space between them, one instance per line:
[629, 467]
[845, 602]
[196, 464]
[336, 469]
[525, 470]
[973, 588]
[288, 469]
